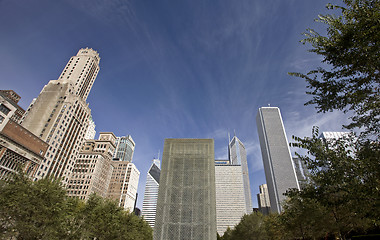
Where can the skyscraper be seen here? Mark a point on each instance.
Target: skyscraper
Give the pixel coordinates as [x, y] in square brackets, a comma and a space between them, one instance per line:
[263, 199]
[59, 115]
[186, 197]
[278, 165]
[151, 192]
[125, 146]
[230, 197]
[238, 156]
[92, 169]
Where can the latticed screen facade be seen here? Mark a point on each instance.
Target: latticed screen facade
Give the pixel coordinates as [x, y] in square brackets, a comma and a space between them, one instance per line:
[186, 198]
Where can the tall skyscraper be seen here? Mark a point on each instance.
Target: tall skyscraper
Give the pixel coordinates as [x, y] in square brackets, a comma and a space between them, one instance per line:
[230, 197]
[238, 156]
[92, 169]
[125, 146]
[90, 133]
[151, 192]
[263, 199]
[59, 115]
[186, 197]
[278, 165]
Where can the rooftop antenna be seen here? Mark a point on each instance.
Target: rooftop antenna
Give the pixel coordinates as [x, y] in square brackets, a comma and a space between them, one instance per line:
[268, 104]
[234, 133]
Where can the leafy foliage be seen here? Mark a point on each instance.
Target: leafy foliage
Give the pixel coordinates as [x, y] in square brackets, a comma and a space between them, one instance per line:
[351, 50]
[41, 210]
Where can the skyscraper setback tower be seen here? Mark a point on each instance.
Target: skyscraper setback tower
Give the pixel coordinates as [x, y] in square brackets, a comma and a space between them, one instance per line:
[151, 192]
[59, 115]
[278, 164]
[238, 156]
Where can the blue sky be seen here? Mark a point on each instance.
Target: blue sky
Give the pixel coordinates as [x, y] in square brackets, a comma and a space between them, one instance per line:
[172, 69]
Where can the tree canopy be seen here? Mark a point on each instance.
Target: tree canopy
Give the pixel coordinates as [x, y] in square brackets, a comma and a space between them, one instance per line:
[42, 210]
[350, 81]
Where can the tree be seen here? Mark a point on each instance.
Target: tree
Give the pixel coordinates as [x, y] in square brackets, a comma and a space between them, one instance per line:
[250, 227]
[351, 50]
[42, 210]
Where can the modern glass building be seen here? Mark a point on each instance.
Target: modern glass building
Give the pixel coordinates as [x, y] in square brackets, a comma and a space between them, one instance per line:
[125, 146]
[151, 192]
[278, 165]
[238, 156]
[186, 198]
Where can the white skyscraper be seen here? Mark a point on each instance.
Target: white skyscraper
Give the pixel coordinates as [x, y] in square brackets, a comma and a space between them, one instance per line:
[59, 115]
[278, 164]
[151, 192]
[90, 133]
[238, 156]
[230, 198]
[263, 199]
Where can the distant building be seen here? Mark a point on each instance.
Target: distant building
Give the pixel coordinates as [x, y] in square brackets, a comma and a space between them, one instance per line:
[301, 171]
[151, 192]
[90, 133]
[238, 156]
[12, 98]
[186, 198]
[278, 165]
[123, 184]
[59, 115]
[230, 198]
[263, 200]
[19, 148]
[125, 146]
[92, 170]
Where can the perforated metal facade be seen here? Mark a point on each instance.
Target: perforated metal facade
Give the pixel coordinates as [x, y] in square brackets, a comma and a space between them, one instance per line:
[278, 164]
[186, 198]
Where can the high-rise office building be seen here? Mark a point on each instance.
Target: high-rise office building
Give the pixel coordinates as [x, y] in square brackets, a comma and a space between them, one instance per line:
[278, 165]
[125, 146]
[263, 199]
[124, 183]
[92, 169]
[59, 115]
[230, 197]
[186, 197]
[238, 156]
[301, 171]
[151, 192]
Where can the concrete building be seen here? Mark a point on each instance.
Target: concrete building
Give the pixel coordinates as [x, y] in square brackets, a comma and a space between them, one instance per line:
[151, 192]
[19, 148]
[230, 198]
[238, 156]
[186, 197]
[12, 98]
[125, 146]
[90, 133]
[92, 170]
[301, 171]
[123, 184]
[59, 115]
[278, 165]
[263, 199]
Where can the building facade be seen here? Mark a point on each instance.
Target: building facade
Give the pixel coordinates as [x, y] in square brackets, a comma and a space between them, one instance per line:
[186, 205]
[263, 199]
[151, 192]
[230, 197]
[278, 165]
[90, 133]
[19, 148]
[125, 146]
[93, 169]
[123, 184]
[59, 115]
[238, 156]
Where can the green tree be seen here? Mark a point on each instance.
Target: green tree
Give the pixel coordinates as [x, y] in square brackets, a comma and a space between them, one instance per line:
[351, 50]
[32, 210]
[250, 227]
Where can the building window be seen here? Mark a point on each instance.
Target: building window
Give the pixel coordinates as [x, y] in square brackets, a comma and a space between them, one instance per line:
[1, 119]
[4, 109]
